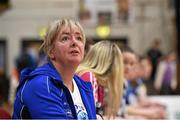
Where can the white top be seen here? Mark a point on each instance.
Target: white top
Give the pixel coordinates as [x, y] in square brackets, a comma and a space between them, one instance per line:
[79, 106]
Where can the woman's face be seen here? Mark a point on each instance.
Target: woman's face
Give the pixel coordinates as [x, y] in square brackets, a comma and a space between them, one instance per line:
[69, 46]
[130, 63]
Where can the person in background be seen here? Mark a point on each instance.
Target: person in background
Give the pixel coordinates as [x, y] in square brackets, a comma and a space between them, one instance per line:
[145, 73]
[103, 66]
[166, 80]
[154, 53]
[27, 58]
[138, 105]
[146, 68]
[53, 91]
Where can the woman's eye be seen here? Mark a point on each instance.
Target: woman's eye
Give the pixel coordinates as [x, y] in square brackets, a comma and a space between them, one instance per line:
[65, 38]
[79, 38]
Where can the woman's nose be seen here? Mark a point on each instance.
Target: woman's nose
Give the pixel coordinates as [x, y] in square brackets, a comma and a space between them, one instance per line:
[74, 41]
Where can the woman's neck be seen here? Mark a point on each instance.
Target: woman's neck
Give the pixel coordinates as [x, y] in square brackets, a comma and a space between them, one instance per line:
[66, 73]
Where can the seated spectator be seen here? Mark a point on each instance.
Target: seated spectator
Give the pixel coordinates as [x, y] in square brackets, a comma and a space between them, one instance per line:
[166, 81]
[103, 66]
[53, 91]
[144, 108]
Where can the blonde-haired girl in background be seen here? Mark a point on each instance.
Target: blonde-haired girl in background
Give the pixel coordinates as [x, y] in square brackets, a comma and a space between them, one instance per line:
[103, 66]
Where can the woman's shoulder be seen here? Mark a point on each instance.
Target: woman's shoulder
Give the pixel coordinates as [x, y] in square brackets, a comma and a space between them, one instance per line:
[41, 82]
[40, 85]
[38, 82]
[39, 79]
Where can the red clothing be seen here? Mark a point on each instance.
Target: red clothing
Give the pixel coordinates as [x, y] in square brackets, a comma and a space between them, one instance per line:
[98, 90]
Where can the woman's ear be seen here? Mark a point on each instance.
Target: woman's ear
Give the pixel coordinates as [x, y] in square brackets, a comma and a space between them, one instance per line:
[51, 54]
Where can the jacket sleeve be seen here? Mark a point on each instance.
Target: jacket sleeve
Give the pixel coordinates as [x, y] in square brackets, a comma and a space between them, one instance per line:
[43, 99]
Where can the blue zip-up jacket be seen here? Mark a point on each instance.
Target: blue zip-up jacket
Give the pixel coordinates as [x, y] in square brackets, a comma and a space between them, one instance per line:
[41, 94]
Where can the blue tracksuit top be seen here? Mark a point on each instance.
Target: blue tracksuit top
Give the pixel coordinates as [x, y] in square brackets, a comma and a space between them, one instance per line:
[41, 94]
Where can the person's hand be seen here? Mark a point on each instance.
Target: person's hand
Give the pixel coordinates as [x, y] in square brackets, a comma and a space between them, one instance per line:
[156, 113]
[159, 105]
